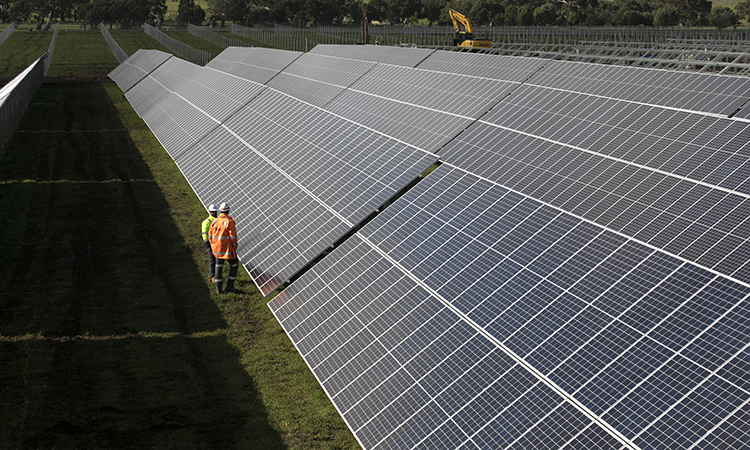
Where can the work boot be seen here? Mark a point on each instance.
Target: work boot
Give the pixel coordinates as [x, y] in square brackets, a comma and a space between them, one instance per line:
[230, 288]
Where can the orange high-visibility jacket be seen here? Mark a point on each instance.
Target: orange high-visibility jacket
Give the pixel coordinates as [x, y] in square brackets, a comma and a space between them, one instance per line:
[223, 237]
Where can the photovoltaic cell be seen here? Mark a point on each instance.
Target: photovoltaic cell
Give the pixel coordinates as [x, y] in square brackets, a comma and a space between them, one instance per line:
[256, 64]
[743, 113]
[405, 371]
[424, 128]
[622, 340]
[495, 67]
[137, 67]
[305, 176]
[497, 311]
[672, 179]
[684, 90]
[348, 167]
[317, 79]
[397, 56]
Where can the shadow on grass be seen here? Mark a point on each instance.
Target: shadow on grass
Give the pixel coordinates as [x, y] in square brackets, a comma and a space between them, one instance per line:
[109, 337]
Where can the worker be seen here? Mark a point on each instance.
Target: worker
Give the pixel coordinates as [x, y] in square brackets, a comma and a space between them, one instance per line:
[223, 237]
[213, 211]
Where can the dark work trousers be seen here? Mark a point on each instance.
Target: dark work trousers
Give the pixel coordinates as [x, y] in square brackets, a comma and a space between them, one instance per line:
[211, 259]
[234, 264]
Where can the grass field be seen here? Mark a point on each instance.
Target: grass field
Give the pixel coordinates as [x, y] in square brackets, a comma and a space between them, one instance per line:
[110, 334]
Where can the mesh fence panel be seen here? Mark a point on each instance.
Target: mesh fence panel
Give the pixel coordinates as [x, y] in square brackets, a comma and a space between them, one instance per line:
[180, 49]
[118, 52]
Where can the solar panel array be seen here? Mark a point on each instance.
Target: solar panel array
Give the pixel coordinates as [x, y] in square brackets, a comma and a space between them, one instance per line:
[674, 179]
[318, 79]
[468, 315]
[256, 64]
[695, 92]
[574, 275]
[138, 66]
[299, 178]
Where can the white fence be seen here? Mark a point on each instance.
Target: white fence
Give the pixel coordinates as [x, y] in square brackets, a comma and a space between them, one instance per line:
[51, 50]
[215, 38]
[116, 50]
[7, 32]
[180, 49]
[303, 39]
[15, 98]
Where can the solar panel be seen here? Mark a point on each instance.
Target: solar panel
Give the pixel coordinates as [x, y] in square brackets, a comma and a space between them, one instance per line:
[496, 67]
[145, 95]
[685, 90]
[423, 108]
[175, 73]
[255, 63]
[468, 316]
[303, 179]
[397, 56]
[743, 113]
[177, 124]
[317, 79]
[137, 67]
[676, 180]
[218, 94]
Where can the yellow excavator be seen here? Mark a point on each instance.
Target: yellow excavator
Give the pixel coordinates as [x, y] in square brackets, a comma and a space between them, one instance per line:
[465, 32]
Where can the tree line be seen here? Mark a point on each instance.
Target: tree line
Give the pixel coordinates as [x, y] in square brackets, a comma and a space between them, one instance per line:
[127, 13]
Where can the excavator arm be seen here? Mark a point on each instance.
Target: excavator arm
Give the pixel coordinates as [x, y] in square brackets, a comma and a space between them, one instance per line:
[465, 32]
[461, 23]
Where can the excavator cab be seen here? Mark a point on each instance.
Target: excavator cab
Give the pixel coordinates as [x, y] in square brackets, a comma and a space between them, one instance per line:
[465, 32]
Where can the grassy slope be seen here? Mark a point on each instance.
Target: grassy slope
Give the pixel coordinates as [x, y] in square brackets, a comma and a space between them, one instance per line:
[110, 335]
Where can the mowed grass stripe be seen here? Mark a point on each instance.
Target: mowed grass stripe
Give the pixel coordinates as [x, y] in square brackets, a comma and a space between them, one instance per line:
[96, 262]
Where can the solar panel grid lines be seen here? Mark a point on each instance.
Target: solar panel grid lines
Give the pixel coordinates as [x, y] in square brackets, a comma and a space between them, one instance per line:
[254, 63]
[450, 93]
[497, 67]
[269, 230]
[580, 194]
[303, 352]
[406, 57]
[352, 198]
[424, 128]
[177, 124]
[288, 128]
[692, 91]
[218, 94]
[334, 71]
[138, 66]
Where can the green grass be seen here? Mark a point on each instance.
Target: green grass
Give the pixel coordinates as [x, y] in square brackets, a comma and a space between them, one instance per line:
[110, 334]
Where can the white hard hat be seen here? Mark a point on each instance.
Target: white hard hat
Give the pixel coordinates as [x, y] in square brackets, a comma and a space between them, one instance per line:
[212, 208]
[224, 207]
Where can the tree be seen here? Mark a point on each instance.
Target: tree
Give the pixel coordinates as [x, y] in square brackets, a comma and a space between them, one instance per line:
[42, 9]
[743, 10]
[189, 12]
[483, 12]
[667, 16]
[545, 14]
[722, 17]
[525, 15]
[692, 12]
[511, 15]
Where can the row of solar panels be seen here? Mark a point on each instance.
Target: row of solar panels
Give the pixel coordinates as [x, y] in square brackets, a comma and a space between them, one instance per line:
[572, 276]
[627, 148]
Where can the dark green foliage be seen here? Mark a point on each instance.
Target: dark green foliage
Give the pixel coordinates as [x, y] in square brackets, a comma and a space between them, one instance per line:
[743, 10]
[123, 13]
[667, 16]
[189, 12]
[722, 17]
